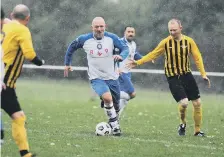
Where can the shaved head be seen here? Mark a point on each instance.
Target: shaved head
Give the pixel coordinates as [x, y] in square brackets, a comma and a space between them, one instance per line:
[98, 20]
[98, 27]
[21, 12]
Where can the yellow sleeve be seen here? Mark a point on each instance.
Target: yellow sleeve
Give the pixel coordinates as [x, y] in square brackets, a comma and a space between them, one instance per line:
[160, 49]
[25, 42]
[197, 57]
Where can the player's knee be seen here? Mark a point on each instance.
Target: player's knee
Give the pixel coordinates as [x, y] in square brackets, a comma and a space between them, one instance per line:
[184, 102]
[107, 98]
[17, 115]
[197, 102]
[132, 95]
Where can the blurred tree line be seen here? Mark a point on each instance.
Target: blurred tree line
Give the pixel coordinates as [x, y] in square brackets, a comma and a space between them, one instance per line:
[55, 23]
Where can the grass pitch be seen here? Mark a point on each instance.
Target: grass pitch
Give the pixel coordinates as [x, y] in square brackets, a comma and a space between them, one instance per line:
[61, 123]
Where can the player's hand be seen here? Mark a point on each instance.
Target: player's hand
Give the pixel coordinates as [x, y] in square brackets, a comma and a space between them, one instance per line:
[42, 62]
[153, 61]
[117, 58]
[207, 80]
[37, 61]
[119, 71]
[131, 64]
[66, 70]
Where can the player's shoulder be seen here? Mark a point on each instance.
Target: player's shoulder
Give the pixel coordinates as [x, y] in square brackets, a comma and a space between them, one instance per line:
[84, 37]
[124, 40]
[165, 40]
[111, 35]
[16, 27]
[19, 26]
[190, 39]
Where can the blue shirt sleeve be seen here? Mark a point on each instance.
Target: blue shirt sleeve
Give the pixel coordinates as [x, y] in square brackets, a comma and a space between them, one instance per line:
[124, 50]
[137, 56]
[76, 44]
[118, 43]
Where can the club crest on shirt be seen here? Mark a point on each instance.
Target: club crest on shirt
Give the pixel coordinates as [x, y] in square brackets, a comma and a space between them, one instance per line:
[99, 46]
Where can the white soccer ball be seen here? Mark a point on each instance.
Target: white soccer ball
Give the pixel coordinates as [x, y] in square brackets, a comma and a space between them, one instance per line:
[103, 129]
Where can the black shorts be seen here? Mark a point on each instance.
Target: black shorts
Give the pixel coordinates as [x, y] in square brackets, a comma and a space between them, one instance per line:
[183, 86]
[9, 102]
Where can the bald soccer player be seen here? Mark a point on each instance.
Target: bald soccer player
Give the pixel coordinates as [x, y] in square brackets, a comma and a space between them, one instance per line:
[3, 86]
[177, 48]
[17, 46]
[102, 69]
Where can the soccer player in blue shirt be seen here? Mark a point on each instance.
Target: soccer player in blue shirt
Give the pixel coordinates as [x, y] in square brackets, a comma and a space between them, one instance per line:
[126, 85]
[102, 69]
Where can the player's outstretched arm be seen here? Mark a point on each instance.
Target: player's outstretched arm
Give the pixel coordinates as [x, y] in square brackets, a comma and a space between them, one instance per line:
[26, 44]
[68, 58]
[74, 45]
[159, 50]
[37, 61]
[131, 64]
[124, 50]
[138, 56]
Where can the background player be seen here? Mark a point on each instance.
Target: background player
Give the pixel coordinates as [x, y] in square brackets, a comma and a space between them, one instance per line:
[126, 85]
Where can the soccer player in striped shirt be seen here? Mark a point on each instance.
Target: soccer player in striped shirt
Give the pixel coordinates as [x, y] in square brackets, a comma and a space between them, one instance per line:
[2, 85]
[17, 46]
[177, 48]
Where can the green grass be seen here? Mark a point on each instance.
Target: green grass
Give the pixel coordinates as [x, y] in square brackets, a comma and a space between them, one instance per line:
[61, 122]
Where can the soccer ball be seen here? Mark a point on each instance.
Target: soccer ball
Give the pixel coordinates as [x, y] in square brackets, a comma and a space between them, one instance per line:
[103, 129]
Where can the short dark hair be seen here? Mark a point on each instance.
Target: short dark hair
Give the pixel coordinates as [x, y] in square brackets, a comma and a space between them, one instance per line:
[2, 14]
[127, 27]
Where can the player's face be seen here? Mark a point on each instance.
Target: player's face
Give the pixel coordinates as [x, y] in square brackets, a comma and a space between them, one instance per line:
[174, 29]
[98, 28]
[129, 33]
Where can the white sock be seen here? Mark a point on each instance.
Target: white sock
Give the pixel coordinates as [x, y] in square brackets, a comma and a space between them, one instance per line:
[125, 95]
[123, 103]
[110, 112]
[115, 125]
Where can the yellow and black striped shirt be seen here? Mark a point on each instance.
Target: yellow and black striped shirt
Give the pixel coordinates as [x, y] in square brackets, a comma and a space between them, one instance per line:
[17, 46]
[177, 54]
